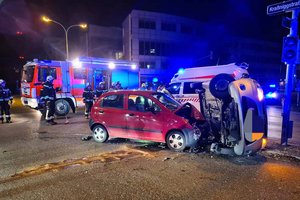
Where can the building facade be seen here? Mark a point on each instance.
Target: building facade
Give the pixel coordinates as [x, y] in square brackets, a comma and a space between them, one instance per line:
[161, 43]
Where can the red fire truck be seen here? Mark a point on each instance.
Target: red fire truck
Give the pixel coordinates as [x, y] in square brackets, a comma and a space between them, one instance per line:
[70, 79]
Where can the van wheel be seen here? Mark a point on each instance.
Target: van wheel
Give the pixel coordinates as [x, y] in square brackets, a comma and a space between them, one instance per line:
[62, 107]
[176, 141]
[100, 134]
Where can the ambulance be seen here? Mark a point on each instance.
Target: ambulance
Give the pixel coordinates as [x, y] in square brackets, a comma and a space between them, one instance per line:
[70, 79]
[181, 84]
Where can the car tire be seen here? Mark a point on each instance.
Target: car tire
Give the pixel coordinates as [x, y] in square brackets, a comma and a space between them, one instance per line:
[100, 134]
[62, 107]
[176, 141]
[218, 86]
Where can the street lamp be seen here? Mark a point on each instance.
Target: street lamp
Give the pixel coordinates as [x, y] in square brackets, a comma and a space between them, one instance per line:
[83, 26]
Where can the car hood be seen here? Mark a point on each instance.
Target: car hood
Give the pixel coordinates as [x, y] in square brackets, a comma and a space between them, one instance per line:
[189, 112]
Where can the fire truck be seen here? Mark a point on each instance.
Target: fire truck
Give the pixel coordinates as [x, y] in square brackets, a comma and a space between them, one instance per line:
[70, 79]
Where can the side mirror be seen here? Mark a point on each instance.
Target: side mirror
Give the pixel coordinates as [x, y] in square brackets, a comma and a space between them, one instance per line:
[58, 89]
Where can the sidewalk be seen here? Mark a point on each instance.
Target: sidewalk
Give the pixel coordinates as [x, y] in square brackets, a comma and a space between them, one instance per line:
[276, 151]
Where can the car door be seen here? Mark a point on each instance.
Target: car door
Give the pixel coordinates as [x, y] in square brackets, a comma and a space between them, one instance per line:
[111, 114]
[142, 123]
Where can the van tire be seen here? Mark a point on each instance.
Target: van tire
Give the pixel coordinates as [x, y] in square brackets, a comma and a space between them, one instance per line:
[218, 86]
[62, 107]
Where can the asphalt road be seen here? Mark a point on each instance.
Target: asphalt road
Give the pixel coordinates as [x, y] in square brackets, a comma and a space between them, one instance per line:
[38, 161]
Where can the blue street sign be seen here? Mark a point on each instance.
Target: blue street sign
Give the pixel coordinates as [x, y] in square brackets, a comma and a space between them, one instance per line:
[283, 7]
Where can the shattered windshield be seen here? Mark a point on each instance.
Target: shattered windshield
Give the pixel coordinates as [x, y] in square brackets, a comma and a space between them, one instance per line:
[28, 72]
[167, 101]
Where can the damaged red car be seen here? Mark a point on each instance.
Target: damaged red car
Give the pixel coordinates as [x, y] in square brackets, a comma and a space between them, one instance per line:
[145, 115]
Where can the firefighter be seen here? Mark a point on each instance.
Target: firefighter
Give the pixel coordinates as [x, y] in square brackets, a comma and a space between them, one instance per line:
[88, 98]
[5, 98]
[100, 89]
[162, 89]
[48, 96]
[143, 86]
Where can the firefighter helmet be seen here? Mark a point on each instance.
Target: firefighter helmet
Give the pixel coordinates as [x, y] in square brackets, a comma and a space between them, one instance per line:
[49, 78]
[101, 84]
[2, 82]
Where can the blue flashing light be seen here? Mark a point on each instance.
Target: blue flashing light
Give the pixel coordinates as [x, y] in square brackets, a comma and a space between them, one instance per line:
[272, 86]
[271, 95]
[154, 80]
[181, 71]
[46, 61]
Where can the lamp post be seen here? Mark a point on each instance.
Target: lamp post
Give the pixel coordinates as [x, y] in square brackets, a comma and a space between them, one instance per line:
[83, 26]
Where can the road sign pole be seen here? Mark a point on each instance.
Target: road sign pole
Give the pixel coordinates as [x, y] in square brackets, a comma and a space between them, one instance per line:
[286, 125]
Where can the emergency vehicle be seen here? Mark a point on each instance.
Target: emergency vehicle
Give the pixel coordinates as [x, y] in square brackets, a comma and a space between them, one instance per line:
[181, 83]
[70, 79]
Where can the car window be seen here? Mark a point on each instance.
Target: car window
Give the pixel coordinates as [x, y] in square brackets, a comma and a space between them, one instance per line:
[167, 101]
[113, 101]
[141, 104]
[187, 89]
[174, 88]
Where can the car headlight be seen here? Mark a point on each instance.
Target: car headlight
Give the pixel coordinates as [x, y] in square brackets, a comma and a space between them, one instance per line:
[260, 93]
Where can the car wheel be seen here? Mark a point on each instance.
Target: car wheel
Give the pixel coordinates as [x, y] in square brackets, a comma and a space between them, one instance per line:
[62, 107]
[176, 141]
[218, 86]
[100, 134]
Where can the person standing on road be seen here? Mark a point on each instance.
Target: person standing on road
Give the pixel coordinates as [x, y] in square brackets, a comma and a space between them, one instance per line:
[5, 98]
[88, 99]
[162, 89]
[100, 89]
[48, 96]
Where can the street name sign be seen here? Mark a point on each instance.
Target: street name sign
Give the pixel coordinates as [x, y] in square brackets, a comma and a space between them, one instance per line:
[283, 7]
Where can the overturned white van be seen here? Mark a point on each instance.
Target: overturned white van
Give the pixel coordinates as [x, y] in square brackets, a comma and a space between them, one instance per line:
[180, 85]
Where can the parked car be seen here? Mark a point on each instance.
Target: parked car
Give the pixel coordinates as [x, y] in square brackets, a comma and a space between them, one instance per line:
[145, 115]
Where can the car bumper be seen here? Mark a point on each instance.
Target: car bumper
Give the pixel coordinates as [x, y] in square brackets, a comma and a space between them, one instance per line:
[91, 123]
[191, 138]
[32, 103]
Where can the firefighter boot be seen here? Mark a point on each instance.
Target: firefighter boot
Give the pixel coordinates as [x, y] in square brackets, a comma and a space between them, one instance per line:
[51, 122]
[8, 119]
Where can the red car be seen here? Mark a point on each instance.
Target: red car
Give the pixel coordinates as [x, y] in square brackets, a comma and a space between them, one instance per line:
[145, 115]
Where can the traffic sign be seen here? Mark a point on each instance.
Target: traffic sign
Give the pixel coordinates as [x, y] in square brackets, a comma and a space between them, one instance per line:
[283, 7]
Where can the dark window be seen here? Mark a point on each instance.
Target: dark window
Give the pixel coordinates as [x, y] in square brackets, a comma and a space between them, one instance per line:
[141, 47]
[147, 65]
[113, 101]
[28, 73]
[79, 74]
[186, 29]
[168, 27]
[147, 24]
[174, 88]
[46, 71]
[187, 89]
[141, 104]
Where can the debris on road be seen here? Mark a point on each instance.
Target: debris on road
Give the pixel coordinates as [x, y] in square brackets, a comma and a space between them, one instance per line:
[86, 138]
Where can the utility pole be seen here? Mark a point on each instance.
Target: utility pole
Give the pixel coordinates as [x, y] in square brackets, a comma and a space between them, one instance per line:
[290, 58]
[287, 125]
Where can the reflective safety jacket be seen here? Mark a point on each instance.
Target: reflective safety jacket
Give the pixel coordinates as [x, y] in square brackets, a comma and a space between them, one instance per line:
[5, 94]
[99, 91]
[48, 92]
[88, 95]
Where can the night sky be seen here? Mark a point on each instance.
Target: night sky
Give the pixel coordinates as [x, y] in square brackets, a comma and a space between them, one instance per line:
[245, 18]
